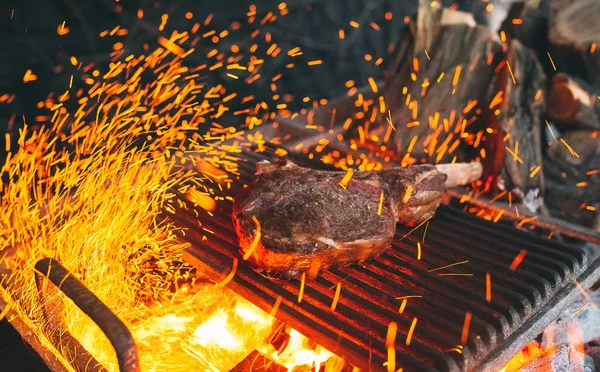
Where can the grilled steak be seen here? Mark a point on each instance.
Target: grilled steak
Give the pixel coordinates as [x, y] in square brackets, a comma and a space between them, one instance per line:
[292, 219]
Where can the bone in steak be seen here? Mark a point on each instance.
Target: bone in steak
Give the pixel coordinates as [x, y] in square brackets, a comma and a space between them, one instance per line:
[308, 220]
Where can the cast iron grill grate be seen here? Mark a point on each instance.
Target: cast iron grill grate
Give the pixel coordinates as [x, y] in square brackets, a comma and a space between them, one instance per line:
[372, 293]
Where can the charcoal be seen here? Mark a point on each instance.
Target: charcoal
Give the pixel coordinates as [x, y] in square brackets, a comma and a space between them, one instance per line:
[588, 319]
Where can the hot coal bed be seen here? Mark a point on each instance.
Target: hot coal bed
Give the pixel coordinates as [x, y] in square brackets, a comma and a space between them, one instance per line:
[504, 277]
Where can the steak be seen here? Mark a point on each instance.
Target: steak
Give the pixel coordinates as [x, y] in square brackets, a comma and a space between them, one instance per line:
[291, 219]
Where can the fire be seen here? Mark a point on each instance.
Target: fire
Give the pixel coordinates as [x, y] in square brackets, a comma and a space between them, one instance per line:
[88, 189]
[528, 353]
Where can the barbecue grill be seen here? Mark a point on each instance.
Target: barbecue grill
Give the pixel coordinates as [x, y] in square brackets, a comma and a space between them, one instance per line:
[449, 304]
[446, 318]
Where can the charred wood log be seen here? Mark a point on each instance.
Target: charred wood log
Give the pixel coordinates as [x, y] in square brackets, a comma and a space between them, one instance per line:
[572, 169]
[573, 103]
[519, 121]
[439, 86]
[574, 34]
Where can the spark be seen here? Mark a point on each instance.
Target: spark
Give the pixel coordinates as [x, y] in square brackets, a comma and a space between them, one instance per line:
[231, 274]
[447, 266]
[465, 331]
[407, 297]
[336, 297]
[407, 194]
[535, 171]
[458, 349]
[389, 119]
[29, 76]
[455, 274]
[315, 62]
[346, 179]
[577, 311]
[373, 85]
[551, 61]
[456, 75]
[402, 306]
[380, 204]
[391, 359]
[585, 294]
[527, 220]
[569, 148]
[419, 251]
[390, 338]
[517, 260]
[425, 232]
[411, 330]
[276, 306]
[255, 241]
[511, 73]
[415, 228]
[488, 287]
[62, 30]
[301, 291]
[515, 153]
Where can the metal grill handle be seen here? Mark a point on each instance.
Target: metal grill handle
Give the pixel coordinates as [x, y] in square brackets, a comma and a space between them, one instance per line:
[114, 329]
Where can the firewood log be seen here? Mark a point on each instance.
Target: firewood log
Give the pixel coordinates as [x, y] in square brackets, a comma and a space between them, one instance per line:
[572, 103]
[439, 86]
[519, 119]
[572, 169]
[528, 23]
[574, 35]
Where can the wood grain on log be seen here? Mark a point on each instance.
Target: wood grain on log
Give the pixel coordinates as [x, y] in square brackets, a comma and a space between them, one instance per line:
[439, 86]
[520, 118]
[573, 103]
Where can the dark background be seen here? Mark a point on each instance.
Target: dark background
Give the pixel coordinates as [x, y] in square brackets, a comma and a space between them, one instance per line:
[29, 40]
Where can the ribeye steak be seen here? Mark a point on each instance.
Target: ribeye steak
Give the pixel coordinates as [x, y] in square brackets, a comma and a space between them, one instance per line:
[307, 220]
